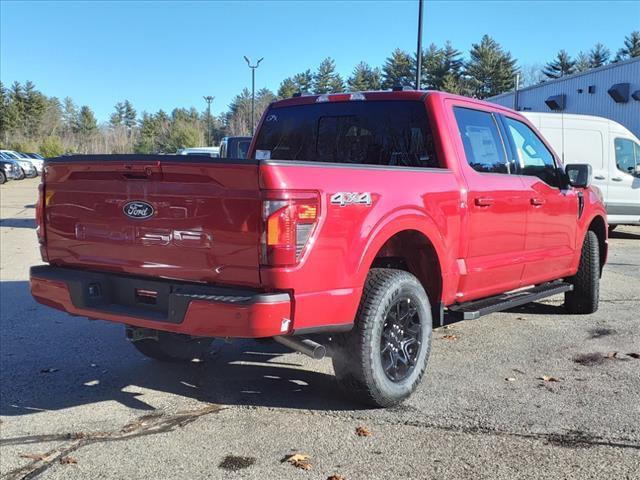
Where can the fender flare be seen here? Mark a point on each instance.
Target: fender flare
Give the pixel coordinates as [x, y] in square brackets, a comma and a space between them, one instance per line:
[397, 222]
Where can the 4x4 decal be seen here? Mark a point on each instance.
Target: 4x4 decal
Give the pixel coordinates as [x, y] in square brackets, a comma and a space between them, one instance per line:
[351, 198]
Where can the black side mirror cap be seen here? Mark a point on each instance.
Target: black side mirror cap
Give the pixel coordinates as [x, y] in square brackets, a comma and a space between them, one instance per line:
[579, 174]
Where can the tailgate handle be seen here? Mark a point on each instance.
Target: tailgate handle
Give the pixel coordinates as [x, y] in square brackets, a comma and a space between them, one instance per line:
[141, 172]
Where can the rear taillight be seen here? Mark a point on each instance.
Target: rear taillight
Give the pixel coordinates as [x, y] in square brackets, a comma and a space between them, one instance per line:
[40, 229]
[289, 219]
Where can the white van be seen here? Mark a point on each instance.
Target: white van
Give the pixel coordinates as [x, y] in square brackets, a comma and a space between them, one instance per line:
[612, 151]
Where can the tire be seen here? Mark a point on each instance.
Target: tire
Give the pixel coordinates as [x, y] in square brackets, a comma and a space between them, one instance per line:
[20, 174]
[364, 367]
[3, 177]
[173, 347]
[586, 282]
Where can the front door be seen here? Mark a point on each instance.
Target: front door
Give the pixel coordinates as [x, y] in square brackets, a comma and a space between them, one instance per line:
[623, 199]
[552, 211]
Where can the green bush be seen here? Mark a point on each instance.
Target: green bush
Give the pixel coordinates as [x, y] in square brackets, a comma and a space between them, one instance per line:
[51, 146]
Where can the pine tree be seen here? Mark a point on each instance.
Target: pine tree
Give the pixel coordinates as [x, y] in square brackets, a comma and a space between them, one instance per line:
[117, 117]
[287, 88]
[326, 80]
[69, 115]
[87, 123]
[599, 56]
[561, 66]
[364, 78]
[35, 106]
[304, 81]
[631, 47]
[433, 73]
[490, 70]
[582, 62]
[398, 69]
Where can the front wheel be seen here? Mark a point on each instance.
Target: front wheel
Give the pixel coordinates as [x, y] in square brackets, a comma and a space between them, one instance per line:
[3, 177]
[382, 360]
[586, 282]
[169, 347]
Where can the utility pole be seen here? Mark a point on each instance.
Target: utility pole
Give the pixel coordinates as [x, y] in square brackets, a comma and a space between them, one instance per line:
[253, 89]
[419, 53]
[208, 99]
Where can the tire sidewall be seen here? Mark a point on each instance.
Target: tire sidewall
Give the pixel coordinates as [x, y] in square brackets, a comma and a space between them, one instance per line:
[408, 287]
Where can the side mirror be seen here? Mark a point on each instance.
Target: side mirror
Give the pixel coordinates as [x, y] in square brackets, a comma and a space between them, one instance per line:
[579, 174]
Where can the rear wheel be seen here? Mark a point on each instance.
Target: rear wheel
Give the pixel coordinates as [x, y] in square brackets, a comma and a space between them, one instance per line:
[586, 282]
[382, 360]
[169, 347]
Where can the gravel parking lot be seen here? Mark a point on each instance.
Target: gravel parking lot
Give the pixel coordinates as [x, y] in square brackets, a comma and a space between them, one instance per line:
[77, 401]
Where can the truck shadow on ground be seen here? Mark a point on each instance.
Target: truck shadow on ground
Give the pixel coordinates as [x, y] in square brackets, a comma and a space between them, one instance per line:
[51, 361]
[624, 235]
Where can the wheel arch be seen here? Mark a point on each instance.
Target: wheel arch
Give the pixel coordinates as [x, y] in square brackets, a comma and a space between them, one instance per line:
[598, 225]
[413, 245]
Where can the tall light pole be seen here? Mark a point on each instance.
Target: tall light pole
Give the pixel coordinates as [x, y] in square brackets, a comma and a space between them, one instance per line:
[208, 99]
[419, 53]
[253, 89]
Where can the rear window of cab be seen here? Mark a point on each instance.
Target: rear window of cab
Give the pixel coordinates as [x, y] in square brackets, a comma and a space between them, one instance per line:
[392, 133]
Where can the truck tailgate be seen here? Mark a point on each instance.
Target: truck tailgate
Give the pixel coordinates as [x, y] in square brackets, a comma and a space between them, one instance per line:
[157, 216]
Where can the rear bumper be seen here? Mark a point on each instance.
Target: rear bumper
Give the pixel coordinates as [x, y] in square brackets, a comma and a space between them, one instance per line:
[193, 309]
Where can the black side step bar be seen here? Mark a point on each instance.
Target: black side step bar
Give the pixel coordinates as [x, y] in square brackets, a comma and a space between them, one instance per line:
[505, 301]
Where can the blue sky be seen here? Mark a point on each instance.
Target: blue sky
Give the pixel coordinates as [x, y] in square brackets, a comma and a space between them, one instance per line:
[168, 54]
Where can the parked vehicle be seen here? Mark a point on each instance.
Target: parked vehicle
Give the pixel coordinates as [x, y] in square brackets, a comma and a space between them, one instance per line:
[36, 159]
[9, 170]
[28, 169]
[213, 152]
[612, 151]
[234, 147]
[357, 222]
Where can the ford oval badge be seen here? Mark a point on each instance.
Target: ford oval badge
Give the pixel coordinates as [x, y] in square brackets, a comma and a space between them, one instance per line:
[138, 210]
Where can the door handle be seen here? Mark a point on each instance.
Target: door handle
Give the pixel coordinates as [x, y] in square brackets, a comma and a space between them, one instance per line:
[616, 179]
[483, 201]
[599, 177]
[535, 201]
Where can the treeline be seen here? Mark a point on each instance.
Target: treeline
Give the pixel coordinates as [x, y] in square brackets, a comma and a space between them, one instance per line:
[563, 64]
[31, 121]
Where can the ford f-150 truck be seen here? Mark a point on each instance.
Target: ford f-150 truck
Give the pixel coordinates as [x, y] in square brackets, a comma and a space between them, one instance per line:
[358, 222]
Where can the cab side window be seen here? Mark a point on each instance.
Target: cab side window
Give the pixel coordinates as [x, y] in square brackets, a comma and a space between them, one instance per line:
[533, 156]
[481, 139]
[627, 155]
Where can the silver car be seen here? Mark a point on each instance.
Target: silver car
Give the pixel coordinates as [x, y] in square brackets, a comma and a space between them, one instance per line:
[28, 169]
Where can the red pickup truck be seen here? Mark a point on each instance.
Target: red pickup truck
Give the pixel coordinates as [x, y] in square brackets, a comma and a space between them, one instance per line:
[357, 223]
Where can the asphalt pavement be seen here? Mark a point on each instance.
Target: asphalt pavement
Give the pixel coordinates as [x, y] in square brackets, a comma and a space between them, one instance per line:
[529, 393]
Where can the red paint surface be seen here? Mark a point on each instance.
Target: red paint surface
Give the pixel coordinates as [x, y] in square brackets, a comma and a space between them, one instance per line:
[491, 233]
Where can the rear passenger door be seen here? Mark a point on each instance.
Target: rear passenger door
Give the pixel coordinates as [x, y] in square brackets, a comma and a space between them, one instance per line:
[496, 206]
[552, 210]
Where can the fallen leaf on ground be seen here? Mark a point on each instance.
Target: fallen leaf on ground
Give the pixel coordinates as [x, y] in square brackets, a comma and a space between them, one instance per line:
[48, 370]
[336, 477]
[300, 460]
[521, 318]
[450, 337]
[634, 355]
[547, 378]
[363, 432]
[612, 355]
[510, 379]
[68, 460]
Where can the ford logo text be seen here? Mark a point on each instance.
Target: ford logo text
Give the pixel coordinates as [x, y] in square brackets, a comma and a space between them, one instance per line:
[138, 210]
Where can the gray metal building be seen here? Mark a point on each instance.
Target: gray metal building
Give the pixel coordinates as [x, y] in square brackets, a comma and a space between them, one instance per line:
[611, 91]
